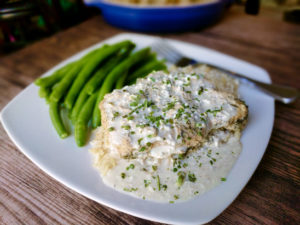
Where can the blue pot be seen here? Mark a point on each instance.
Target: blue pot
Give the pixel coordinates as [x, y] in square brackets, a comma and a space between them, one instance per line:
[160, 19]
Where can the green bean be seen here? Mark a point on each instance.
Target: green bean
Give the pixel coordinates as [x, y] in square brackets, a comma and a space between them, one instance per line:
[95, 80]
[58, 74]
[150, 57]
[44, 92]
[57, 120]
[93, 83]
[81, 125]
[83, 96]
[55, 77]
[146, 69]
[88, 68]
[121, 80]
[62, 87]
[111, 78]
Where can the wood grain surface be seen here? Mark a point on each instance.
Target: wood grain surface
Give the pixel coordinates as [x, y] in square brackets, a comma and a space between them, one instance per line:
[29, 196]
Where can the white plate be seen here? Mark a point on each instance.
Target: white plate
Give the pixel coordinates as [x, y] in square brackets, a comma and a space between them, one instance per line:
[27, 123]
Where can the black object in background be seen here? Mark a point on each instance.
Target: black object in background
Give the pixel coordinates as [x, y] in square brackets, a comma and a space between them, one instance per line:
[24, 21]
[252, 7]
[292, 16]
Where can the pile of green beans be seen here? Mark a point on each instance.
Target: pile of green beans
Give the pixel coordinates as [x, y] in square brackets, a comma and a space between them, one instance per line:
[81, 85]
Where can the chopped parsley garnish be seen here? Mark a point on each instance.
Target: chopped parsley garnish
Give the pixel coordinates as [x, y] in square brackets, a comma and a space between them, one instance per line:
[142, 149]
[158, 182]
[151, 78]
[131, 166]
[149, 144]
[165, 187]
[214, 112]
[147, 183]
[179, 113]
[181, 156]
[154, 168]
[126, 127]
[176, 197]
[132, 132]
[116, 114]
[180, 178]
[170, 105]
[123, 175]
[130, 117]
[140, 140]
[130, 189]
[223, 179]
[192, 177]
[200, 91]
[111, 129]
[133, 103]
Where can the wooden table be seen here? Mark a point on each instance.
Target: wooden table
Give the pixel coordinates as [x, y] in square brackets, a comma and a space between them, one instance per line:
[29, 196]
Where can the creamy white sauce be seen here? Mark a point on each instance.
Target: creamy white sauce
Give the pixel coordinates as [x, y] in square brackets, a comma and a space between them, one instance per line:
[209, 170]
[169, 137]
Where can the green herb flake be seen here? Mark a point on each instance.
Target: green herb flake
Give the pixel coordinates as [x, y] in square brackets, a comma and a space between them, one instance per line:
[111, 129]
[223, 179]
[176, 197]
[130, 117]
[142, 149]
[158, 182]
[131, 166]
[154, 168]
[165, 187]
[116, 114]
[192, 177]
[200, 91]
[140, 140]
[180, 178]
[171, 202]
[147, 183]
[181, 156]
[123, 175]
[126, 127]
[130, 189]
[151, 78]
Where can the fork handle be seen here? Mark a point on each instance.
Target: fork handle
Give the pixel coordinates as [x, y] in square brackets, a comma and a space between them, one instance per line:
[281, 93]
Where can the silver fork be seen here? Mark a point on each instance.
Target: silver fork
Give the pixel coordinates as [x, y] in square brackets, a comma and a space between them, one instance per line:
[281, 93]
